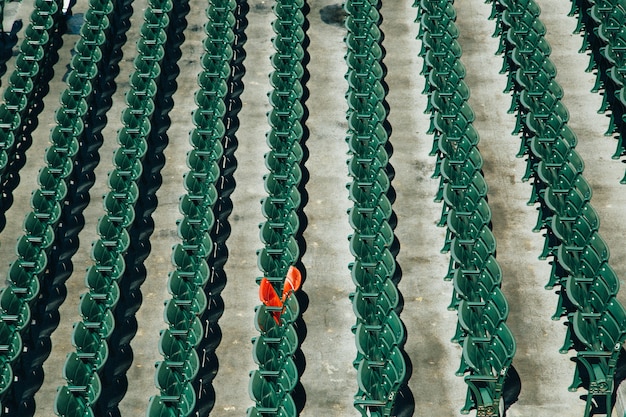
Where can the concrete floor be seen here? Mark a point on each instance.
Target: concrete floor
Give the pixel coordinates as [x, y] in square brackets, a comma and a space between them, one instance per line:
[329, 379]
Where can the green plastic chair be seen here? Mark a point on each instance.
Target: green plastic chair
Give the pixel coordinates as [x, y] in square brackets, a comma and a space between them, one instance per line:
[81, 379]
[119, 210]
[188, 296]
[97, 315]
[184, 323]
[197, 206]
[132, 142]
[59, 163]
[127, 165]
[178, 356]
[135, 124]
[101, 287]
[366, 274]
[69, 404]
[203, 162]
[215, 64]
[159, 408]
[89, 346]
[139, 105]
[199, 186]
[265, 393]
[153, 35]
[10, 345]
[46, 207]
[195, 236]
[23, 281]
[280, 222]
[142, 85]
[112, 235]
[275, 261]
[122, 186]
[31, 255]
[84, 69]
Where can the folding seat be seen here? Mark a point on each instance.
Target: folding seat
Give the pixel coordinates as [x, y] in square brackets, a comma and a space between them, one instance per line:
[102, 288]
[368, 250]
[119, 210]
[178, 356]
[186, 261]
[195, 236]
[532, 62]
[600, 367]
[69, 404]
[203, 162]
[523, 29]
[31, 51]
[574, 229]
[285, 346]
[96, 315]
[89, 346]
[567, 204]
[465, 196]
[267, 356]
[368, 150]
[139, 105]
[455, 128]
[446, 81]
[105, 255]
[442, 44]
[469, 224]
[20, 85]
[30, 254]
[378, 386]
[23, 281]
[370, 221]
[276, 183]
[81, 379]
[215, 68]
[127, 165]
[471, 322]
[10, 345]
[45, 202]
[266, 395]
[159, 408]
[437, 27]
[368, 276]
[58, 161]
[365, 308]
[6, 376]
[183, 322]
[274, 264]
[367, 194]
[473, 256]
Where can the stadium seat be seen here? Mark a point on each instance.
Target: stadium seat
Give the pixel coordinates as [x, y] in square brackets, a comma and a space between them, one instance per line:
[81, 379]
[69, 404]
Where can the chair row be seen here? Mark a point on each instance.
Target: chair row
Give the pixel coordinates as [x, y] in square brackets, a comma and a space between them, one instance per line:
[580, 265]
[189, 283]
[481, 307]
[272, 384]
[601, 24]
[379, 331]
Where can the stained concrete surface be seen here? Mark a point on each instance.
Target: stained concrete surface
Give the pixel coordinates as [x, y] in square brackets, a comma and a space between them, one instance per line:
[329, 379]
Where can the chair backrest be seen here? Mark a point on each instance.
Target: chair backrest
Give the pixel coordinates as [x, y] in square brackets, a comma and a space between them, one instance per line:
[89, 345]
[264, 393]
[586, 330]
[70, 404]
